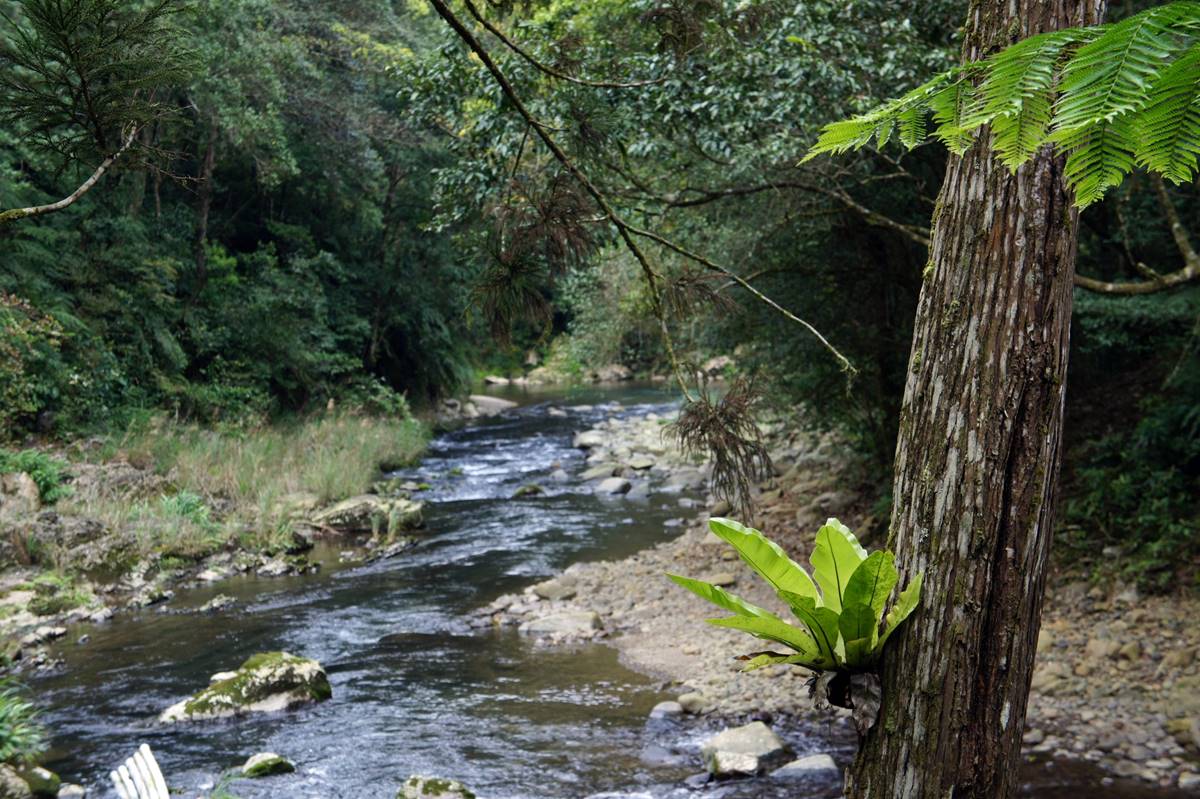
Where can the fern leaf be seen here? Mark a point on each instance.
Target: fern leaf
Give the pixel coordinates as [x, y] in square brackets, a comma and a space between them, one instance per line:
[951, 107]
[1100, 157]
[1110, 75]
[1017, 95]
[1168, 134]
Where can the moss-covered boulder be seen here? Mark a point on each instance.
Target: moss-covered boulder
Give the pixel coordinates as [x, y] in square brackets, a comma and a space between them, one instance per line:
[11, 784]
[419, 787]
[266, 682]
[267, 764]
[41, 781]
[372, 513]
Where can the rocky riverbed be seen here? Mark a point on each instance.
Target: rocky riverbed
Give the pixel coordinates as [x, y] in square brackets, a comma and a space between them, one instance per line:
[1117, 680]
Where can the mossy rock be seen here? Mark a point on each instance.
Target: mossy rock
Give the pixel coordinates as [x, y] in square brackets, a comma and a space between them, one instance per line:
[11, 784]
[266, 682]
[41, 781]
[419, 787]
[267, 764]
[371, 513]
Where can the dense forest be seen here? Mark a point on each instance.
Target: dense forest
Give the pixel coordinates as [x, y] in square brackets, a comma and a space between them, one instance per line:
[332, 202]
[223, 220]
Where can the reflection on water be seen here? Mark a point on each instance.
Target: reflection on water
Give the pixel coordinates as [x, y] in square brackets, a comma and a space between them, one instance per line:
[414, 690]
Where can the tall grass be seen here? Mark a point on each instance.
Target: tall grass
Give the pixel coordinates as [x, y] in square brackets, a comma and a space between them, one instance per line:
[246, 474]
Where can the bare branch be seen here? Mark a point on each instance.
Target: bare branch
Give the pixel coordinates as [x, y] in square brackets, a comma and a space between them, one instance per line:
[14, 214]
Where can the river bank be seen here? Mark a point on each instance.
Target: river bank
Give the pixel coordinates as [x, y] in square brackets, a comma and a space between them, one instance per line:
[110, 525]
[1117, 681]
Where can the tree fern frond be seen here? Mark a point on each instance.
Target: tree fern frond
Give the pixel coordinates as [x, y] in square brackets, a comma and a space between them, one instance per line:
[1017, 95]
[1168, 134]
[905, 115]
[1100, 157]
[1109, 76]
[951, 107]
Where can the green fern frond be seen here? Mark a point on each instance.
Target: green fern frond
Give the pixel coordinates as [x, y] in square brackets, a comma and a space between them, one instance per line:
[1017, 95]
[1109, 76]
[1168, 132]
[951, 107]
[1100, 158]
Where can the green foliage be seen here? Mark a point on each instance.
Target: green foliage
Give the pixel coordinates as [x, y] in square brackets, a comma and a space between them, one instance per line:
[1112, 97]
[48, 472]
[841, 620]
[22, 739]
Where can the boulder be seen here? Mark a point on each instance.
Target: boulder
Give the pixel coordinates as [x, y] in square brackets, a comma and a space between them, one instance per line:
[590, 438]
[640, 462]
[613, 485]
[693, 702]
[558, 588]
[640, 490]
[266, 764]
[599, 472]
[19, 495]
[368, 512]
[421, 787]
[72, 791]
[491, 406]
[560, 476]
[666, 710]
[41, 781]
[266, 682]
[748, 749]
[809, 767]
[612, 373]
[11, 784]
[570, 623]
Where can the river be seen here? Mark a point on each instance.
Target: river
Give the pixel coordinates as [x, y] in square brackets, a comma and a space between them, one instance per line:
[415, 690]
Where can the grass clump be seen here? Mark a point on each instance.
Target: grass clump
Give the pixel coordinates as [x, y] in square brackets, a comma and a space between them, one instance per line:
[22, 739]
[48, 473]
[55, 592]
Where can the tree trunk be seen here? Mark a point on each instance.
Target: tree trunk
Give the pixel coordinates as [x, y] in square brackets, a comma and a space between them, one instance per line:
[977, 459]
[204, 195]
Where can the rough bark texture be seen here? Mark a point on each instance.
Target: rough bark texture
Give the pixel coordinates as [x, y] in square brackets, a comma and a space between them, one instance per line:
[977, 459]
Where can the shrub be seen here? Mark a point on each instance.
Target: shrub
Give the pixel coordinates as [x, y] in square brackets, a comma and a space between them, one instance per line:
[21, 736]
[47, 472]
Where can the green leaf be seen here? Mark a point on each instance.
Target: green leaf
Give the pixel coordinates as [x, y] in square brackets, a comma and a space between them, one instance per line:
[859, 625]
[950, 108]
[765, 557]
[760, 659]
[836, 556]
[821, 622]
[906, 603]
[872, 582]
[779, 631]
[1168, 136]
[719, 597]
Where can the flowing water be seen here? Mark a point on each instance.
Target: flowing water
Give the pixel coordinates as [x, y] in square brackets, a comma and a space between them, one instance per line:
[415, 690]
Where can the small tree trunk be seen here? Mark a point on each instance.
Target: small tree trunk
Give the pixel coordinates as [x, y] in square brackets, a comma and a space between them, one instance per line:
[977, 459]
[204, 195]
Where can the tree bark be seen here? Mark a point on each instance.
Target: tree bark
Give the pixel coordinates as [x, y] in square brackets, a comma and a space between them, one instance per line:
[204, 196]
[977, 458]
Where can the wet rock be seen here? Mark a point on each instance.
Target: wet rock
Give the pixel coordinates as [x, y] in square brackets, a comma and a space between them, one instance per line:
[666, 710]
[369, 512]
[529, 490]
[41, 781]
[556, 413]
[599, 472]
[639, 491]
[219, 602]
[496, 380]
[748, 749]
[11, 784]
[391, 550]
[491, 406]
[71, 791]
[613, 485]
[693, 702]
[640, 462]
[421, 787]
[571, 623]
[560, 476]
[275, 567]
[267, 764]
[43, 634]
[589, 439]
[1189, 781]
[559, 588]
[266, 682]
[809, 767]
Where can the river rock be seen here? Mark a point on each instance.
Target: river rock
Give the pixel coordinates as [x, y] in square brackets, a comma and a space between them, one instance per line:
[420, 787]
[613, 485]
[496, 380]
[528, 490]
[599, 472]
[748, 749]
[612, 373]
[266, 764]
[560, 476]
[491, 406]
[19, 495]
[639, 490]
[11, 784]
[589, 439]
[369, 512]
[41, 781]
[693, 702]
[571, 623]
[71, 791]
[666, 710]
[559, 588]
[808, 767]
[1189, 781]
[266, 682]
[640, 462]
[1102, 648]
